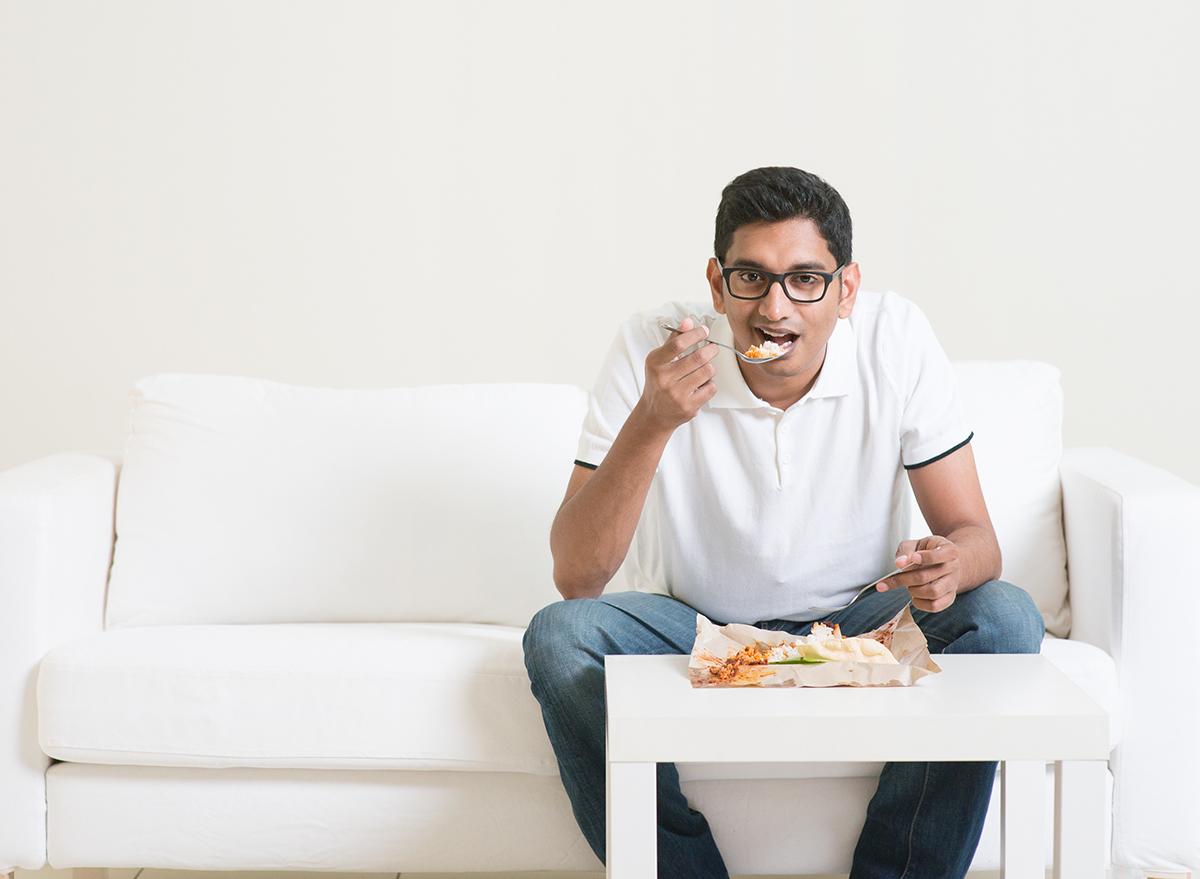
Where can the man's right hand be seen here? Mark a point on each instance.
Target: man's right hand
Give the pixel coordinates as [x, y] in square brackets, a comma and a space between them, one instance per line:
[677, 388]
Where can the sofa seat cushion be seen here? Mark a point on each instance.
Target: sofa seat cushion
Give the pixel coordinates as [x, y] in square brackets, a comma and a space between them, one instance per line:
[306, 695]
[426, 696]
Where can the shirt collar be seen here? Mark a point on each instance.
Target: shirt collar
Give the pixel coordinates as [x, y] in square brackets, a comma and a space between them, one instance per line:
[837, 378]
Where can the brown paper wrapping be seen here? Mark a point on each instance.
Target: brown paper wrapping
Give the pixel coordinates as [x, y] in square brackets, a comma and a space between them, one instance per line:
[900, 634]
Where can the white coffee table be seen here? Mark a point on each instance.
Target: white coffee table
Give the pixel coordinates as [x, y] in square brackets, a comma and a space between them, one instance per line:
[1018, 709]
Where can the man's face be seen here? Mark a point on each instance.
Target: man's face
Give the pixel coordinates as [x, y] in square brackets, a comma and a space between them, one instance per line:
[803, 328]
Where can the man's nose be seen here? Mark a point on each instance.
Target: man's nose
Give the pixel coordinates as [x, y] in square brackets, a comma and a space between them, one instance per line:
[775, 303]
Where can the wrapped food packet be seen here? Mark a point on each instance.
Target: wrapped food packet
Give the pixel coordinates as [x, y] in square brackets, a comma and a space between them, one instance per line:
[735, 656]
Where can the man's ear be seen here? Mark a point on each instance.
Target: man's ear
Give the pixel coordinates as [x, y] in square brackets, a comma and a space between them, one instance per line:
[848, 289]
[716, 285]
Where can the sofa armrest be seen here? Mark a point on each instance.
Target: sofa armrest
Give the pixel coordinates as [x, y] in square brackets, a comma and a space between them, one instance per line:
[56, 541]
[1130, 529]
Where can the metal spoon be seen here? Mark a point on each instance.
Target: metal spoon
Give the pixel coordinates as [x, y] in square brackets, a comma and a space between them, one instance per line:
[828, 610]
[742, 357]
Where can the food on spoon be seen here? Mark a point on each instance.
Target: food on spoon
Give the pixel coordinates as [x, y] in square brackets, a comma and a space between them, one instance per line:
[766, 349]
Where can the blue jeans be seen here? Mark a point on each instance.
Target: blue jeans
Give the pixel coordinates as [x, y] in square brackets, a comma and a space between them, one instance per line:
[924, 820]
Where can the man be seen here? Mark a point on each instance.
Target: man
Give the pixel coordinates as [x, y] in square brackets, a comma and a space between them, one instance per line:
[770, 494]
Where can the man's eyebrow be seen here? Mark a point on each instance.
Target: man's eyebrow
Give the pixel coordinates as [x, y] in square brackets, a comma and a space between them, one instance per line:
[796, 267]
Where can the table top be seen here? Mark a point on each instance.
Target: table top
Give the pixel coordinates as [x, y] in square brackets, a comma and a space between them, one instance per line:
[980, 707]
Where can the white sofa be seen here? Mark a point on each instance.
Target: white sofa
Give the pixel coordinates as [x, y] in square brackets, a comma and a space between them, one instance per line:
[307, 653]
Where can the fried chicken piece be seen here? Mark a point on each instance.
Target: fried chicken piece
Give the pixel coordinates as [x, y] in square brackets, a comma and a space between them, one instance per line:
[752, 654]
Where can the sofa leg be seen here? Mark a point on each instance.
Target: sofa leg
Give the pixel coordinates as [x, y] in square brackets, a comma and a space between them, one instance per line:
[89, 873]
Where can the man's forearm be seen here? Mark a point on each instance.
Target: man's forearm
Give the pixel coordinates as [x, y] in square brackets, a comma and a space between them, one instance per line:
[978, 555]
[591, 534]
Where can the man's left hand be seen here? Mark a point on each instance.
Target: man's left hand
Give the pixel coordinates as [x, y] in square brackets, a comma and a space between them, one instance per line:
[934, 582]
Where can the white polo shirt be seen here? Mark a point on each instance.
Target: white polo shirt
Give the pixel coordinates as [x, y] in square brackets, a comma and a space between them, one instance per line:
[757, 513]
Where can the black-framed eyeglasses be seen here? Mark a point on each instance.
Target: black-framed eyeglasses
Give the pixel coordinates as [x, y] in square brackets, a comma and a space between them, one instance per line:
[806, 285]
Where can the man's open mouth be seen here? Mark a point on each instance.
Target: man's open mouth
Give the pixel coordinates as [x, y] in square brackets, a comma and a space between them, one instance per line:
[782, 339]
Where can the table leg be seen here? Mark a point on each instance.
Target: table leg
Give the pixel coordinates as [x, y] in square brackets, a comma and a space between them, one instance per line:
[1079, 819]
[632, 825]
[1022, 819]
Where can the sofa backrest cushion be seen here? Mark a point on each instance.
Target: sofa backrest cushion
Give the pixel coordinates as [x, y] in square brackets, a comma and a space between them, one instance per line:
[1015, 409]
[249, 501]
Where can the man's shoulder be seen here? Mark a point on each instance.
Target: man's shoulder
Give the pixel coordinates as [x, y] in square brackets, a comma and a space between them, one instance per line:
[891, 331]
[887, 323]
[882, 312]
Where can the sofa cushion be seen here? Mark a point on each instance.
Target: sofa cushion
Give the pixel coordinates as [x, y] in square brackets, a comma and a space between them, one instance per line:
[312, 695]
[250, 501]
[338, 696]
[1015, 410]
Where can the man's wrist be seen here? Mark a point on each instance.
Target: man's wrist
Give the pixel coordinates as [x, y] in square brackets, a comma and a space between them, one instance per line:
[648, 430]
[978, 556]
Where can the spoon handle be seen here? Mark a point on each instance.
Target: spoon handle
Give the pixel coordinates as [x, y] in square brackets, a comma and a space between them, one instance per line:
[828, 610]
[758, 361]
[672, 329]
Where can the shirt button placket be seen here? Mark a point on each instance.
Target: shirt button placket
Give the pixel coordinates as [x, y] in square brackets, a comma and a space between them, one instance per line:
[782, 451]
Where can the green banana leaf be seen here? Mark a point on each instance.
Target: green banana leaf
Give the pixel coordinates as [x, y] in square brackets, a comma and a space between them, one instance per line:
[802, 660]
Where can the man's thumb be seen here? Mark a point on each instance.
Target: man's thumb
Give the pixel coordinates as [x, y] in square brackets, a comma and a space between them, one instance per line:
[905, 549]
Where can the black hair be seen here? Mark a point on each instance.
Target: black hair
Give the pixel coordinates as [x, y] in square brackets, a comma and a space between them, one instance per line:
[773, 194]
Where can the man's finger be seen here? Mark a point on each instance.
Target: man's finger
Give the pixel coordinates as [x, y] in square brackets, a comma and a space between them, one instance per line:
[935, 556]
[681, 341]
[698, 377]
[916, 577]
[705, 392]
[904, 552]
[929, 555]
[932, 590]
[685, 366]
[934, 605]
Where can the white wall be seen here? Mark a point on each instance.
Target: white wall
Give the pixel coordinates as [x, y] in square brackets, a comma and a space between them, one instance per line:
[328, 193]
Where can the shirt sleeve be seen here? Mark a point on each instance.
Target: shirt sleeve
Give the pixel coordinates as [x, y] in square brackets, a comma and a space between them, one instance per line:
[932, 424]
[617, 390]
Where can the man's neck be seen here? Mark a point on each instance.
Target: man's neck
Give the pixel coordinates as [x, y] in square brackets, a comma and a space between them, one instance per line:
[787, 392]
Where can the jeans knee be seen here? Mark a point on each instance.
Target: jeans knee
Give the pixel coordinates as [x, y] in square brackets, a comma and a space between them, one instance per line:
[1008, 621]
[558, 636]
